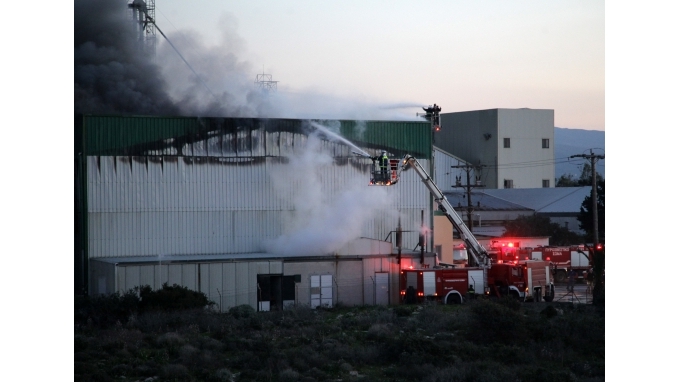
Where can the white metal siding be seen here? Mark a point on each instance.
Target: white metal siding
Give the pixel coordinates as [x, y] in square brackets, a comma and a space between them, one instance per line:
[139, 207]
[445, 175]
[350, 282]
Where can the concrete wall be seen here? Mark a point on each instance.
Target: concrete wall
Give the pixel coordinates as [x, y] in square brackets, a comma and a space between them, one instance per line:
[464, 134]
[526, 162]
[478, 137]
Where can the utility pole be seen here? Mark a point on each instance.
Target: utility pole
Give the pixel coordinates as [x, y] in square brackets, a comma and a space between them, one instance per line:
[593, 158]
[468, 188]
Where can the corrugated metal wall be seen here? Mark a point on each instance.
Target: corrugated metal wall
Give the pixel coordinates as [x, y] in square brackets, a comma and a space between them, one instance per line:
[234, 283]
[139, 207]
[445, 176]
[165, 185]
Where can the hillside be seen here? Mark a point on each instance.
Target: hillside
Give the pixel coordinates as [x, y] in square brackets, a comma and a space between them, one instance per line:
[570, 142]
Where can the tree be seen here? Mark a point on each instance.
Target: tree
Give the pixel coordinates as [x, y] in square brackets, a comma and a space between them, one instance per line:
[538, 225]
[586, 178]
[569, 180]
[585, 217]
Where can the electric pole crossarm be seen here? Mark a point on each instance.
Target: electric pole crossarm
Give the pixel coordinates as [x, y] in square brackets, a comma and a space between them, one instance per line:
[468, 188]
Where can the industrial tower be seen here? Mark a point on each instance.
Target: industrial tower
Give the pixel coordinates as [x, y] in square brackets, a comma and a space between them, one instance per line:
[140, 12]
[264, 82]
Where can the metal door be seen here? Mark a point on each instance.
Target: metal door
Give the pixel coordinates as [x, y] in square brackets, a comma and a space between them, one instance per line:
[429, 285]
[382, 290]
[321, 290]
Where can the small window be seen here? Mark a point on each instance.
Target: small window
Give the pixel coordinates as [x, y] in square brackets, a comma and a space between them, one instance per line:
[517, 272]
[546, 143]
[506, 143]
[507, 183]
[546, 183]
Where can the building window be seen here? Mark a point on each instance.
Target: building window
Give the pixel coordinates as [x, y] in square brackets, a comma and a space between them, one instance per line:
[546, 143]
[546, 183]
[507, 183]
[506, 143]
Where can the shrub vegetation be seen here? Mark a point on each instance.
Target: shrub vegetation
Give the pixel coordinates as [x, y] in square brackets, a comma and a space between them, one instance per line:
[172, 335]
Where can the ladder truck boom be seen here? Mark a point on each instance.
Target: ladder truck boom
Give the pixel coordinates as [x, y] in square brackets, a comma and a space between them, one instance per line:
[475, 249]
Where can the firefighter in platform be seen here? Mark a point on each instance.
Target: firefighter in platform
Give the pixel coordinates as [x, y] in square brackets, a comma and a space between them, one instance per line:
[383, 163]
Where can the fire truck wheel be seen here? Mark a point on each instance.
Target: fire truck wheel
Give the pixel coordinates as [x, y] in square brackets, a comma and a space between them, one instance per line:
[550, 296]
[560, 276]
[453, 299]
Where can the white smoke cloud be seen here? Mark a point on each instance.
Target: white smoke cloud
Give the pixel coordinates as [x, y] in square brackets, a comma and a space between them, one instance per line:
[323, 222]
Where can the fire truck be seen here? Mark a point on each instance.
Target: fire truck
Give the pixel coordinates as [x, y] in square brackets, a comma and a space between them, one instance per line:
[562, 258]
[528, 279]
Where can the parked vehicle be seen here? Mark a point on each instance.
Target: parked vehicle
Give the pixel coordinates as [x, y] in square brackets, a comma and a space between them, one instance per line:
[563, 259]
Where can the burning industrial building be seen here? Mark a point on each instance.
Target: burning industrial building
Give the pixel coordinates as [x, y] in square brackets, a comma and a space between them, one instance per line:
[186, 173]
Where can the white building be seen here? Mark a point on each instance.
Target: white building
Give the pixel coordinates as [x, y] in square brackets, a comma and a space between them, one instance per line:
[510, 148]
[237, 208]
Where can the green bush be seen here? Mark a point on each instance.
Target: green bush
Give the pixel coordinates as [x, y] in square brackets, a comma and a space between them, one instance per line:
[242, 311]
[105, 310]
[170, 298]
[115, 308]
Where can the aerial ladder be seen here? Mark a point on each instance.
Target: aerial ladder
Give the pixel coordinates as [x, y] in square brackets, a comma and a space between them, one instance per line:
[476, 252]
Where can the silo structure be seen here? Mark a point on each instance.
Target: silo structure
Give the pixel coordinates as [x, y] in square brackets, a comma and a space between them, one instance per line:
[226, 204]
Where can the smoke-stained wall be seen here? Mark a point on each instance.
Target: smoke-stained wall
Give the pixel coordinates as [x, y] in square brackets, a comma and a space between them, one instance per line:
[271, 187]
[138, 207]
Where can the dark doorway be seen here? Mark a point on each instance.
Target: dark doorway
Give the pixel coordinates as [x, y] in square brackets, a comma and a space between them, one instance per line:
[274, 290]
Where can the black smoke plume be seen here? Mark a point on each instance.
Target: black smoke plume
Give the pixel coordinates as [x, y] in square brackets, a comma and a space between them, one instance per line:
[113, 74]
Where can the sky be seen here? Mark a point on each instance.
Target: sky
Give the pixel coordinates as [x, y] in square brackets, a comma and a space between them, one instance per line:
[461, 55]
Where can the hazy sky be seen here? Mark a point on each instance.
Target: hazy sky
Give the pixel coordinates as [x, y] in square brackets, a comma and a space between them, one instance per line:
[462, 55]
